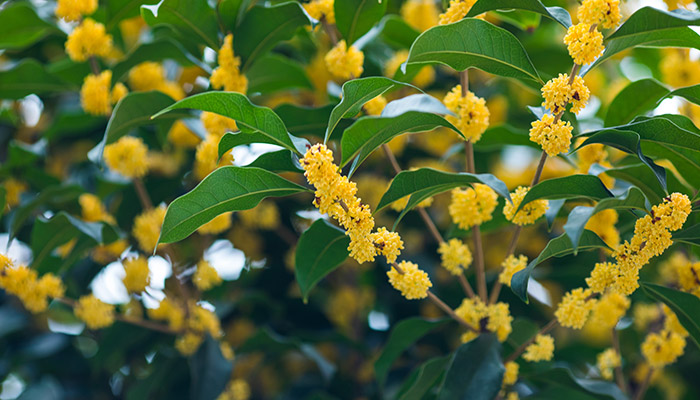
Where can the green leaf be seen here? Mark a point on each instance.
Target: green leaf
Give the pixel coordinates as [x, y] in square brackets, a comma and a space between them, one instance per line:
[689, 235]
[191, 19]
[3, 198]
[642, 177]
[231, 12]
[21, 27]
[118, 10]
[420, 102]
[568, 187]
[158, 50]
[29, 77]
[557, 247]
[277, 161]
[523, 20]
[423, 183]
[650, 19]
[474, 43]
[423, 379]
[356, 93]
[636, 98]
[476, 371]
[690, 93]
[210, 371]
[404, 334]
[309, 120]
[265, 77]
[48, 234]
[500, 136]
[564, 378]
[396, 32]
[368, 133]
[263, 27]
[354, 18]
[633, 199]
[226, 189]
[320, 250]
[685, 305]
[558, 14]
[51, 196]
[256, 119]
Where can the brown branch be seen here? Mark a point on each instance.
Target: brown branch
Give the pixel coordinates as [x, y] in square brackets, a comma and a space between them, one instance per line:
[476, 233]
[466, 286]
[515, 354]
[94, 66]
[143, 195]
[330, 30]
[619, 374]
[645, 385]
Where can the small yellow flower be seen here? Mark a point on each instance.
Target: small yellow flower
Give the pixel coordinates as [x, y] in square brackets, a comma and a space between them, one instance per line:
[94, 312]
[217, 225]
[529, 213]
[168, 311]
[457, 10]
[575, 307]
[137, 276]
[93, 210]
[13, 191]
[553, 137]
[607, 361]
[584, 44]
[605, 13]
[146, 76]
[413, 283]
[206, 158]
[511, 265]
[228, 75]
[558, 94]
[420, 14]
[472, 115]
[119, 91]
[388, 244]
[95, 97]
[128, 156]
[104, 254]
[541, 350]
[496, 317]
[237, 389]
[188, 343]
[73, 10]
[205, 277]
[343, 62]
[455, 256]
[472, 206]
[318, 9]
[425, 77]
[88, 39]
[23, 282]
[602, 276]
[375, 105]
[180, 135]
[216, 124]
[147, 226]
[511, 374]
[663, 348]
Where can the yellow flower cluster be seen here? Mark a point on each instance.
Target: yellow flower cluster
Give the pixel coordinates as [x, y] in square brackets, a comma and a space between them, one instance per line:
[127, 156]
[603, 224]
[607, 361]
[95, 313]
[335, 196]
[343, 62]
[529, 213]
[511, 265]
[228, 74]
[587, 156]
[678, 70]
[199, 321]
[205, 277]
[73, 10]
[510, 376]
[552, 134]
[237, 389]
[494, 318]
[558, 93]
[606, 313]
[541, 350]
[180, 135]
[575, 307]
[104, 254]
[318, 9]
[87, 40]
[472, 206]
[663, 348]
[412, 282]
[95, 95]
[472, 114]
[216, 124]
[584, 42]
[206, 157]
[457, 10]
[151, 76]
[265, 215]
[137, 274]
[375, 106]
[218, 224]
[688, 276]
[13, 191]
[605, 13]
[425, 77]
[146, 228]
[25, 283]
[420, 14]
[388, 244]
[455, 256]
[675, 4]
[92, 209]
[170, 312]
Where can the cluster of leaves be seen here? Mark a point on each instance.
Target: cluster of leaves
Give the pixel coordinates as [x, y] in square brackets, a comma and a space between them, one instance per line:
[301, 326]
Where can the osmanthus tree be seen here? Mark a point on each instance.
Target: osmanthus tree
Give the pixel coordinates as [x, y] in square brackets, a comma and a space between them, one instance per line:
[241, 199]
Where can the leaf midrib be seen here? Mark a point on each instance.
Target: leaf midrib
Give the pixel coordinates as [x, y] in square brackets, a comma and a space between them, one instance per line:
[478, 55]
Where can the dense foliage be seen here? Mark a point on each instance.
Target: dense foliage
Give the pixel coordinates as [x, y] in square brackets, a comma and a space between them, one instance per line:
[349, 199]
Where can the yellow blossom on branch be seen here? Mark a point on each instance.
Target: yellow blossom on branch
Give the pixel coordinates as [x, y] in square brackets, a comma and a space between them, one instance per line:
[413, 283]
[529, 213]
[127, 156]
[343, 62]
[472, 114]
[94, 312]
[584, 44]
[88, 39]
[541, 350]
[73, 10]
[227, 75]
[455, 256]
[553, 137]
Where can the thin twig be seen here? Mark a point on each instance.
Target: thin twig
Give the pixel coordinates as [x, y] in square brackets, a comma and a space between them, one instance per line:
[515, 354]
[476, 232]
[466, 286]
[94, 66]
[645, 385]
[540, 167]
[329, 30]
[619, 374]
[142, 193]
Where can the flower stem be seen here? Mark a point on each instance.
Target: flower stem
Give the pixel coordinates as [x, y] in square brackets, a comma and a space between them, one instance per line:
[142, 193]
[619, 374]
[645, 385]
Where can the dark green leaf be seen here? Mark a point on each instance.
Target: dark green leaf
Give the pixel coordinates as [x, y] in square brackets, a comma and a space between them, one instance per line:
[690, 93]
[557, 247]
[633, 199]
[404, 334]
[564, 377]
[308, 121]
[52, 196]
[159, 50]
[558, 14]
[650, 19]
[118, 10]
[689, 235]
[423, 379]
[635, 99]
[48, 234]
[210, 371]
[277, 161]
[263, 27]
[476, 371]
[191, 19]
[553, 211]
[523, 20]
[258, 120]
[265, 77]
[356, 93]
[568, 187]
[685, 305]
[642, 177]
[396, 32]
[231, 11]
[226, 189]
[503, 135]
[354, 18]
[320, 250]
[424, 103]
[29, 77]
[21, 27]
[474, 43]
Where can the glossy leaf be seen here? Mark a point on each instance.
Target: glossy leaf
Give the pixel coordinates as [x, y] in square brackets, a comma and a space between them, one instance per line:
[558, 14]
[423, 379]
[568, 187]
[685, 305]
[233, 139]
[642, 177]
[633, 199]
[191, 19]
[368, 133]
[210, 371]
[474, 43]
[277, 161]
[118, 10]
[320, 250]
[263, 27]
[416, 102]
[404, 335]
[650, 19]
[159, 50]
[256, 119]
[356, 93]
[231, 12]
[563, 378]
[476, 371]
[354, 18]
[690, 235]
[502, 135]
[226, 189]
[265, 77]
[20, 26]
[29, 77]
[635, 99]
[557, 247]
[51, 196]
